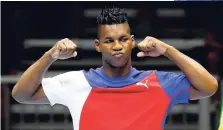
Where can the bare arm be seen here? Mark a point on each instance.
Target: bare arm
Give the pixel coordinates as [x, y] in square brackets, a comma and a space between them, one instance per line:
[28, 89]
[204, 84]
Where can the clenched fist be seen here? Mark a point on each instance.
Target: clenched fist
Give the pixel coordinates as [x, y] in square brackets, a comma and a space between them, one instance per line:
[153, 47]
[63, 49]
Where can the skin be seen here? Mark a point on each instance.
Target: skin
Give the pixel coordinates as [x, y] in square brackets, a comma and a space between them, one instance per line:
[112, 39]
[28, 89]
[204, 86]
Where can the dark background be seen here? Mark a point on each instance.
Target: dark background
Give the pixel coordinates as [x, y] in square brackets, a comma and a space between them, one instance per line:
[22, 21]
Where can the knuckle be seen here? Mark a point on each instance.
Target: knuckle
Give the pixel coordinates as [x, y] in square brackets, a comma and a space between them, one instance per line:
[72, 43]
[70, 48]
[64, 40]
[60, 43]
[57, 45]
[147, 37]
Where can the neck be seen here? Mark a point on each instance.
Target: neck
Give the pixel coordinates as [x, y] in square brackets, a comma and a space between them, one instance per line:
[112, 71]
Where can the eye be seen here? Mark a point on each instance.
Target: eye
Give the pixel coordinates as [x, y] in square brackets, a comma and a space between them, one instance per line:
[123, 39]
[108, 41]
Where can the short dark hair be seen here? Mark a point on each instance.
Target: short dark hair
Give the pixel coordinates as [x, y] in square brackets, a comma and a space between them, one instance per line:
[112, 15]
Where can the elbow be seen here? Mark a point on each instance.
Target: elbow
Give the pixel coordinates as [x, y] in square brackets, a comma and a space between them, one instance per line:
[14, 94]
[18, 97]
[19, 100]
[213, 87]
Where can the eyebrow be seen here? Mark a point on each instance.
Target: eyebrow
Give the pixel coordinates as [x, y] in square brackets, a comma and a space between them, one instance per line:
[108, 38]
[118, 38]
[123, 36]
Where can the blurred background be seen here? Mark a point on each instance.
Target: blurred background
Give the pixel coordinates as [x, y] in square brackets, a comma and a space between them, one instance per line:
[31, 28]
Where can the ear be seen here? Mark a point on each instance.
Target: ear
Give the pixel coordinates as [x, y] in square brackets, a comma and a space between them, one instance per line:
[133, 41]
[96, 41]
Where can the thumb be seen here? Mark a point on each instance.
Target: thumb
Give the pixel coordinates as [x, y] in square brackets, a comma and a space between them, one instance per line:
[141, 54]
[75, 54]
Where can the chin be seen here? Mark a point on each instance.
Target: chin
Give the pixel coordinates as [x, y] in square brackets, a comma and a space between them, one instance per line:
[120, 64]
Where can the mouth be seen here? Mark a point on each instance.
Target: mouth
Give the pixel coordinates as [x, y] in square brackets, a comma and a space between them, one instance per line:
[118, 54]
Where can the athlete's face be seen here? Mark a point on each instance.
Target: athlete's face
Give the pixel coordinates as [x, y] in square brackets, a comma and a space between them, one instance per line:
[115, 43]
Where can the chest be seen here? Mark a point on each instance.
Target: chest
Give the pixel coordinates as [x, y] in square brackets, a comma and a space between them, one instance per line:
[130, 108]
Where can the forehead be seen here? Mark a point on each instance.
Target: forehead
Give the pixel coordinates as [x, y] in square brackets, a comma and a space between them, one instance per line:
[114, 30]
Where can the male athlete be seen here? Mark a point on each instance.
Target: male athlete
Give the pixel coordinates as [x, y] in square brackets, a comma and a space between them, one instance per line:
[116, 96]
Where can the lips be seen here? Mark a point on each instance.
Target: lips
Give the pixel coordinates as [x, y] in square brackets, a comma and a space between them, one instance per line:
[118, 54]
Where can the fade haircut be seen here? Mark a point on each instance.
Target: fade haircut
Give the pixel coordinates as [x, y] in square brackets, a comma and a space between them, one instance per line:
[113, 15]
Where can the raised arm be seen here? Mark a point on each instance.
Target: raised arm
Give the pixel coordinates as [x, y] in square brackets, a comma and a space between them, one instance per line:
[203, 84]
[28, 89]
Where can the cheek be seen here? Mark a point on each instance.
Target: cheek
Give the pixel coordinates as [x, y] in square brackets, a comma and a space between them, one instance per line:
[104, 50]
[129, 49]
[105, 53]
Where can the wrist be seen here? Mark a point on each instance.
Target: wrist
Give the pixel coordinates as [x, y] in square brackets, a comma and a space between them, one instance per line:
[169, 51]
[48, 55]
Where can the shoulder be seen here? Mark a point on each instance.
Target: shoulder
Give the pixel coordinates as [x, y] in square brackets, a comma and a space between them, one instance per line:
[174, 83]
[169, 80]
[67, 78]
[68, 81]
[70, 75]
[163, 75]
[168, 75]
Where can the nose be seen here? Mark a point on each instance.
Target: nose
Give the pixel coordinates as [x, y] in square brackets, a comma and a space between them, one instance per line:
[117, 46]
